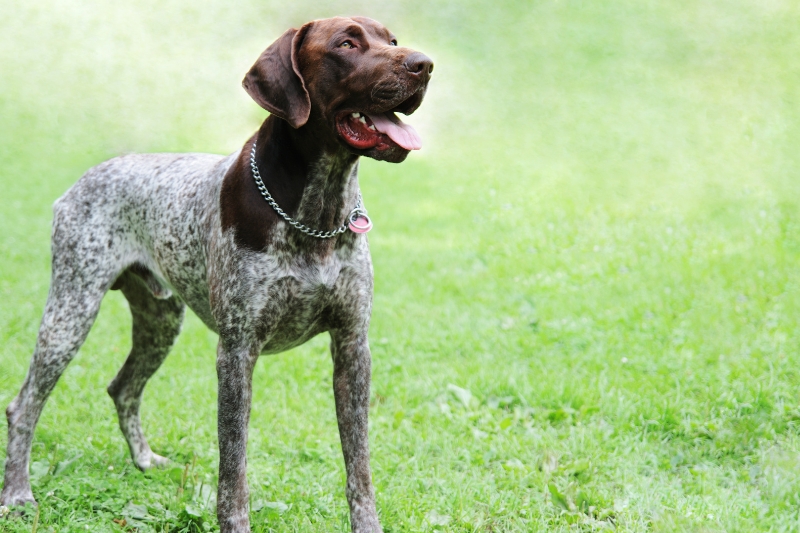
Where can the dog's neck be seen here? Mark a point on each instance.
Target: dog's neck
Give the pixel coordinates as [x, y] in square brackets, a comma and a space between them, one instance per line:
[314, 182]
[317, 182]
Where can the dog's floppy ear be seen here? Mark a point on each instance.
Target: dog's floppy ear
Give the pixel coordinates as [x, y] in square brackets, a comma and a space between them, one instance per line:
[275, 83]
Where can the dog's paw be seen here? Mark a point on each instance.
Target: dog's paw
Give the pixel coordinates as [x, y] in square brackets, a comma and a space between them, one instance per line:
[11, 498]
[151, 460]
[158, 461]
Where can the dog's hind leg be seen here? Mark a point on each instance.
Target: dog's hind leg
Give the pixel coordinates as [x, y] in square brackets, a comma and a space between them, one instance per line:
[156, 324]
[77, 286]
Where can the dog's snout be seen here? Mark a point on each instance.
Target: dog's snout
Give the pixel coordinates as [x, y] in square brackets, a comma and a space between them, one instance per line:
[419, 64]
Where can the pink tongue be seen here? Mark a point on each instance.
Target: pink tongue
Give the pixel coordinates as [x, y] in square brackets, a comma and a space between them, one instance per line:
[398, 131]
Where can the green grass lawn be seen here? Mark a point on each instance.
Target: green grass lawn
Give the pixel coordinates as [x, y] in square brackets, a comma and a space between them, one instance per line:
[587, 283]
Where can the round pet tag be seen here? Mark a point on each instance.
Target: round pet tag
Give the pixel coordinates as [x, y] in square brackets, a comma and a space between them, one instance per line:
[360, 224]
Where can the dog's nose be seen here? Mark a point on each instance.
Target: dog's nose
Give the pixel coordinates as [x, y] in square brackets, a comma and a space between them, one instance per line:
[419, 64]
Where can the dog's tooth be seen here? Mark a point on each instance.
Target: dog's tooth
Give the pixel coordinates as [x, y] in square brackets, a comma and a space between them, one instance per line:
[372, 128]
[362, 120]
[356, 115]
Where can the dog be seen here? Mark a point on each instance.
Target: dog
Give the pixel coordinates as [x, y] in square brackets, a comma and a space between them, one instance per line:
[267, 246]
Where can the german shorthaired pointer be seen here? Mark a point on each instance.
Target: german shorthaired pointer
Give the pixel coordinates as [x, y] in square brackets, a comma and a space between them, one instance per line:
[266, 245]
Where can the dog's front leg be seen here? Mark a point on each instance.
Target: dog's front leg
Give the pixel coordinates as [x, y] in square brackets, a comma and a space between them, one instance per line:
[235, 373]
[351, 377]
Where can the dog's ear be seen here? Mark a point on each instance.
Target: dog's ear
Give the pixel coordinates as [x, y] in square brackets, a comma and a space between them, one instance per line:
[275, 83]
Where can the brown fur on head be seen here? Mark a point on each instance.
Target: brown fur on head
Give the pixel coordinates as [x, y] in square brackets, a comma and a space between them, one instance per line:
[329, 69]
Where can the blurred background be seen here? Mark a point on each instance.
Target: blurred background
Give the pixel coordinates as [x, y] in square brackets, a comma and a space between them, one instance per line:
[586, 281]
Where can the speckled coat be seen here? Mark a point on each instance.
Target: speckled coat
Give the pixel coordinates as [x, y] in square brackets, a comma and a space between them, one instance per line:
[171, 230]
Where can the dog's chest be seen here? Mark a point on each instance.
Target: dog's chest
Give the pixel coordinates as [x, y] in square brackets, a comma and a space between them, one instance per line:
[293, 303]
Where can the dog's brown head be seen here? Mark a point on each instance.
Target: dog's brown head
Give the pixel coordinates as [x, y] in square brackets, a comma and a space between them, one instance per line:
[348, 78]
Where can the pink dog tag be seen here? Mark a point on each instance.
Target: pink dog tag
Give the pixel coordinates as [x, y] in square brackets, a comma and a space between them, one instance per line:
[360, 224]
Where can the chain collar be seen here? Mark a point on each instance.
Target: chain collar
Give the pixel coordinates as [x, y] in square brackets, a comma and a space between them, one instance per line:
[355, 220]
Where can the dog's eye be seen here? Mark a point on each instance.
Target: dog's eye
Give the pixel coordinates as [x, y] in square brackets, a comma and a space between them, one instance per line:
[347, 44]
[393, 42]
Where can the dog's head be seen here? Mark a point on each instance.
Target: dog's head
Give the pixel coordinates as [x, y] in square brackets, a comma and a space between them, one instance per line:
[347, 77]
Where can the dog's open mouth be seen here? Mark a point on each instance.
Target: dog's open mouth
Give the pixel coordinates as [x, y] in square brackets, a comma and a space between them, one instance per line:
[377, 130]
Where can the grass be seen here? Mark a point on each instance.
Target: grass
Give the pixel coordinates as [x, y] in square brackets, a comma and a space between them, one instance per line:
[586, 284]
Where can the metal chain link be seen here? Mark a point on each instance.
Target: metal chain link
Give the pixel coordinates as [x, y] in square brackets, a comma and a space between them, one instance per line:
[358, 210]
